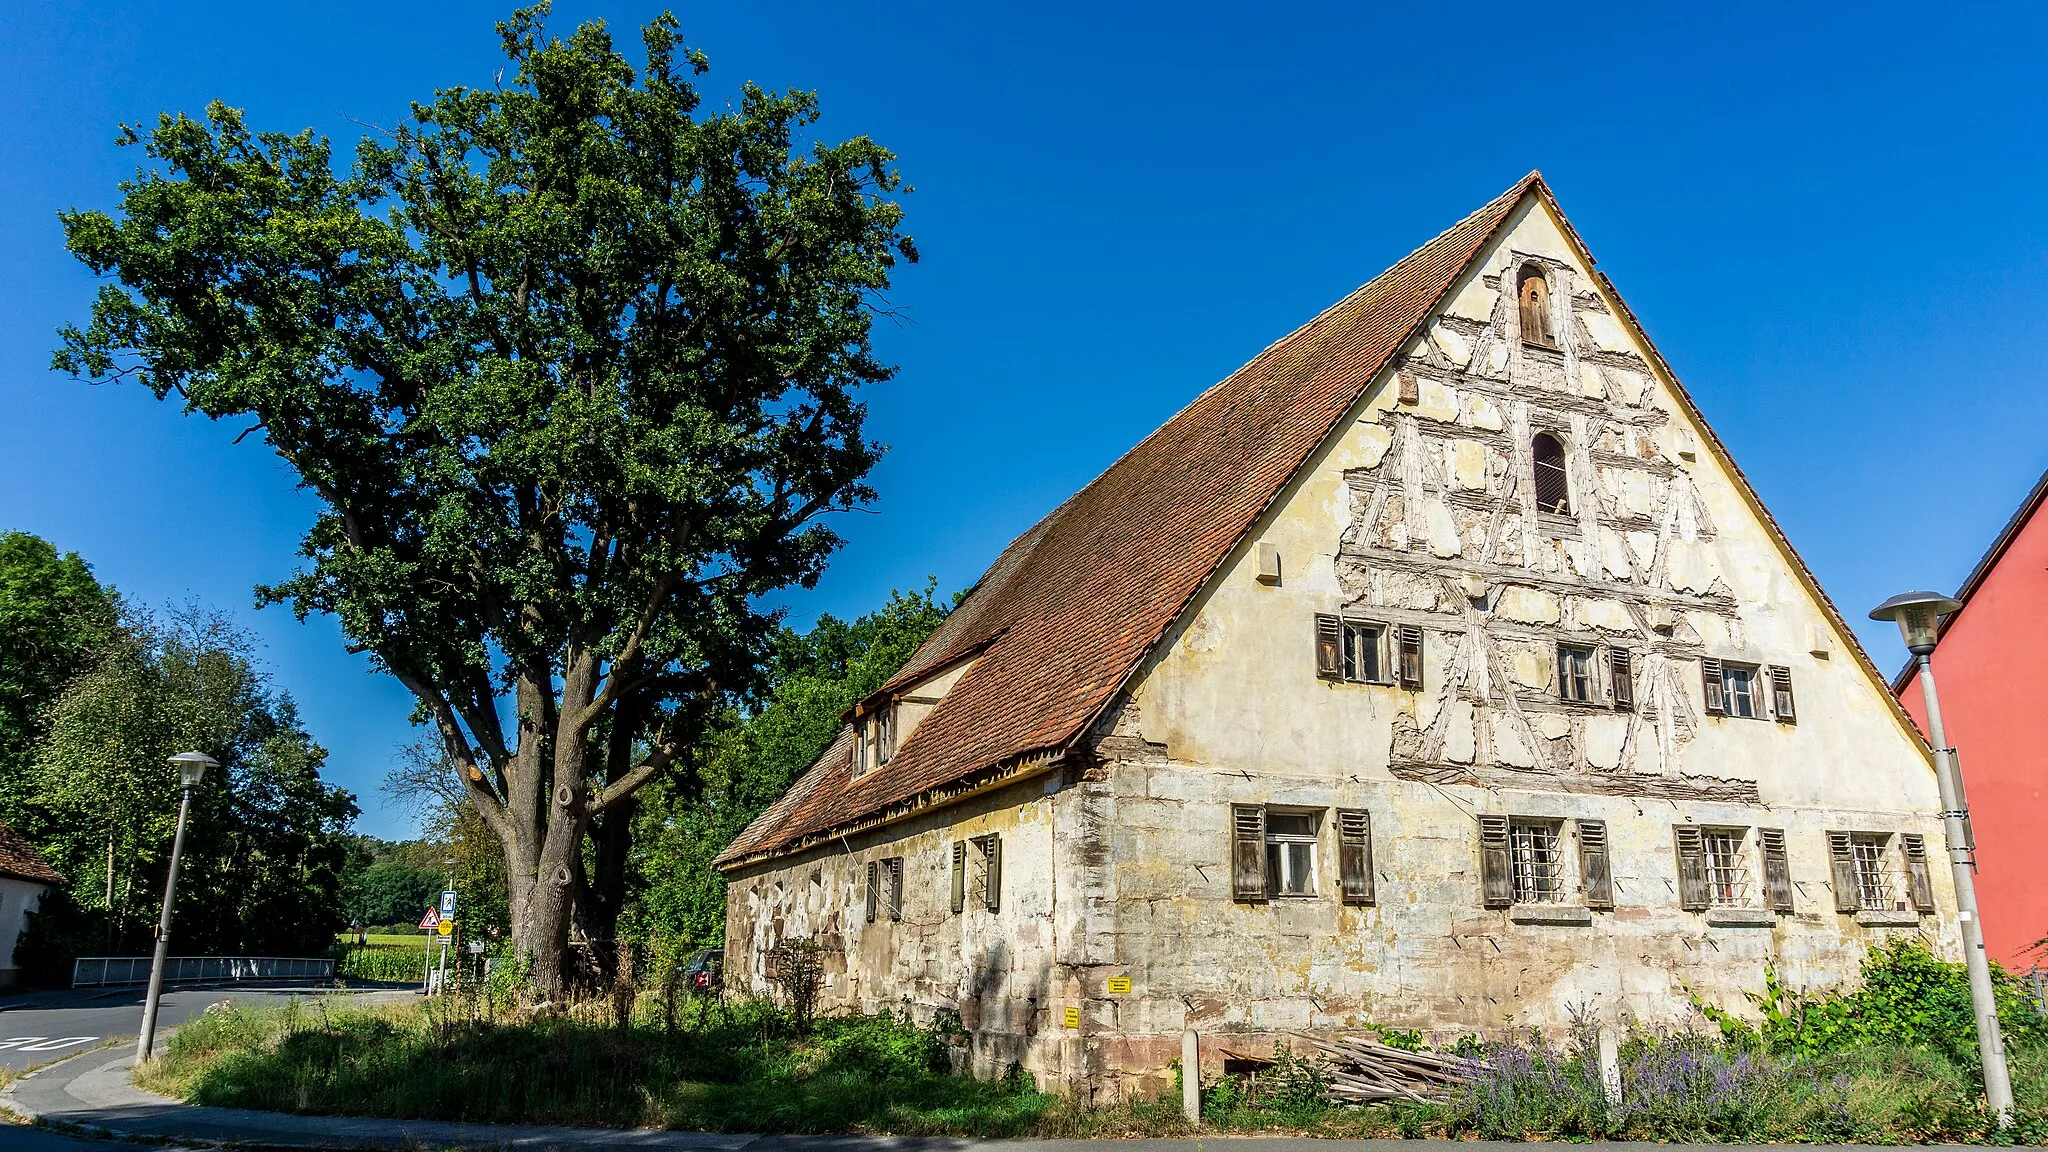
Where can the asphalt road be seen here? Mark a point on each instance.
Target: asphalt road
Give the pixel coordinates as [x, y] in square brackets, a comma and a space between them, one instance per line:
[40, 1027]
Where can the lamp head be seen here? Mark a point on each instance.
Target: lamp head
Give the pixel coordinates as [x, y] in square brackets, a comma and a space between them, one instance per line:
[1917, 615]
[192, 767]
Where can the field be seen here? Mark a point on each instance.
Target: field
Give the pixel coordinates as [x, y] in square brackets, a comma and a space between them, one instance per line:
[389, 957]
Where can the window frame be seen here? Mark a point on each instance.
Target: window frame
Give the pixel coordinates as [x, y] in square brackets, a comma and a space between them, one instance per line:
[1725, 851]
[1545, 335]
[1879, 880]
[1353, 637]
[1590, 674]
[1751, 675]
[1282, 859]
[1537, 468]
[1536, 872]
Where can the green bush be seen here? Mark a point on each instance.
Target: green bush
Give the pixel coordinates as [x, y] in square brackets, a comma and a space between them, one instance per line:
[1908, 998]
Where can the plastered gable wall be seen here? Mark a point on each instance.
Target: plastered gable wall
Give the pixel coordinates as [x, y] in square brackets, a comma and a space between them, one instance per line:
[1413, 509]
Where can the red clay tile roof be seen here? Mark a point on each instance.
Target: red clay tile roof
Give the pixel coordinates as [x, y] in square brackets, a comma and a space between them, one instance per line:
[1071, 606]
[20, 861]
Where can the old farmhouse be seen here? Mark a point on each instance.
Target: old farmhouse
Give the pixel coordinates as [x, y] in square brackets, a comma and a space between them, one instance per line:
[1437, 669]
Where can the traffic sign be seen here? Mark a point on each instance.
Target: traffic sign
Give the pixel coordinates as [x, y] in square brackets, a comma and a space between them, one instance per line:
[431, 920]
[447, 903]
[447, 927]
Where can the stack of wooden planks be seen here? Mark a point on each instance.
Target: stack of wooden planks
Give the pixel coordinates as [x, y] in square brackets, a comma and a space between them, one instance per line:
[1362, 1070]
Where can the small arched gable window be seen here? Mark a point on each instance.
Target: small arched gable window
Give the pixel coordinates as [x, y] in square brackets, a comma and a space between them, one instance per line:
[1534, 292]
[1553, 490]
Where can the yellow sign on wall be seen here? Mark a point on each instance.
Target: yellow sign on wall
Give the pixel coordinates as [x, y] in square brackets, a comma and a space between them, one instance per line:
[1073, 1018]
[1119, 985]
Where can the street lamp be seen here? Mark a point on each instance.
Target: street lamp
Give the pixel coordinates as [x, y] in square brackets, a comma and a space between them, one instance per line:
[1918, 615]
[191, 768]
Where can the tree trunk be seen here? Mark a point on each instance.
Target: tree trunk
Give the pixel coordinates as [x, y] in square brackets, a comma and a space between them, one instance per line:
[603, 896]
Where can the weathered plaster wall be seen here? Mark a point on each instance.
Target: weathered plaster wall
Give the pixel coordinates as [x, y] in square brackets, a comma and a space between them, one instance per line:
[1005, 975]
[18, 898]
[1418, 505]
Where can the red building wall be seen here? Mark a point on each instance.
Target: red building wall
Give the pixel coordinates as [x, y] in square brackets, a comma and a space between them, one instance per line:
[1992, 670]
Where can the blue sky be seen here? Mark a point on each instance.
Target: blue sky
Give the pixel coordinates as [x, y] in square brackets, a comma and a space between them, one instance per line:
[1829, 221]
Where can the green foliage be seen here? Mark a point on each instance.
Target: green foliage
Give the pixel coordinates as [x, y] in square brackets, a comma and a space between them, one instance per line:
[390, 892]
[54, 620]
[267, 841]
[569, 360]
[814, 678]
[1908, 998]
[741, 1069]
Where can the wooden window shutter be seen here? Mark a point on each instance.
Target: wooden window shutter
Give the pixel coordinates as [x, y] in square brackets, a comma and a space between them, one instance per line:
[1621, 670]
[959, 876]
[1595, 875]
[1781, 695]
[874, 892]
[1496, 876]
[1712, 686]
[895, 887]
[1354, 855]
[1410, 641]
[1842, 863]
[992, 884]
[1247, 853]
[1329, 651]
[1692, 868]
[1777, 868]
[1917, 879]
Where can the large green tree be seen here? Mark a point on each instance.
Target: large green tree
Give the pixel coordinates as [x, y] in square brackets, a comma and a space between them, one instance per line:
[814, 678]
[570, 363]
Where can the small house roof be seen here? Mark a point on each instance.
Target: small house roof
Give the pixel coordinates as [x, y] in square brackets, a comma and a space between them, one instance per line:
[22, 862]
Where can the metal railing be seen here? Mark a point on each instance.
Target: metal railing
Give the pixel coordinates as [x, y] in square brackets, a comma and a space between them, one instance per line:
[103, 971]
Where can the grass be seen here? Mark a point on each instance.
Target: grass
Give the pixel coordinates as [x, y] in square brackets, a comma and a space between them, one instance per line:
[747, 1069]
[388, 957]
[740, 1071]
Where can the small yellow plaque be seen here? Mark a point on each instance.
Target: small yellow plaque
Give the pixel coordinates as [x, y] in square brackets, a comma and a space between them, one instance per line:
[447, 927]
[1073, 1018]
[1119, 985]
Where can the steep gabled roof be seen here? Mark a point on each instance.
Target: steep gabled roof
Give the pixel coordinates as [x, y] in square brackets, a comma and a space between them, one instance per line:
[1070, 607]
[1982, 571]
[22, 862]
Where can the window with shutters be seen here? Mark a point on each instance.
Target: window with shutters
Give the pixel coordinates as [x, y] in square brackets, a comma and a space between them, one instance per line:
[1291, 852]
[1532, 289]
[1367, 651]
[1576, 682]
[1534, 861]
[1621, 678]
[1553, 487]
[892, 879]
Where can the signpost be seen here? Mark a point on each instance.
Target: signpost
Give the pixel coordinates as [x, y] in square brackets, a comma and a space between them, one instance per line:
[428, 923]
[447, 929]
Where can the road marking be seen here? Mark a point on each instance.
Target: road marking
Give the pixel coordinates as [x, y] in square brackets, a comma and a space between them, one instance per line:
[18, 1040]
[64, 1042]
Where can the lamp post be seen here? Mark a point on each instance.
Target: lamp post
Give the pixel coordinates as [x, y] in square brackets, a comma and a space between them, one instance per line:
[1917, 615]
[191, 768]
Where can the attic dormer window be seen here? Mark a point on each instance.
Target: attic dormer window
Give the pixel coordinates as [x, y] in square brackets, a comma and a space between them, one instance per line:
[885, 734]
[1553, 488]
[1533, 289]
